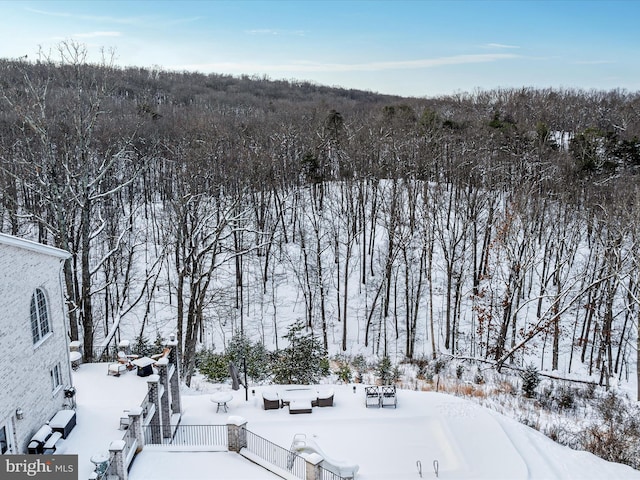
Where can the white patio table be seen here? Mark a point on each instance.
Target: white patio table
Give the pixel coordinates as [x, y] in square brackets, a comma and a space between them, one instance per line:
[221, 398]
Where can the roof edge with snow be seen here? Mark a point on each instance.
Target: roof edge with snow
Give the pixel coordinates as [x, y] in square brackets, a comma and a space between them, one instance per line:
[12, 241]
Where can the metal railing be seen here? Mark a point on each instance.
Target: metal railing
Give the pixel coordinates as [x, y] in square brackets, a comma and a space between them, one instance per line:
[130, 447]
[145, 404]
[276, 455]
[187, 435]
[103, 353]
[217, 436]
[328, 474]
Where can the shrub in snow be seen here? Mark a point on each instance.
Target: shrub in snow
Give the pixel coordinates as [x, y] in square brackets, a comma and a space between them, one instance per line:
[545, 397]
[530, 422]
[615, 436]
[359, 363]
[214, 366]
[422, 365]
[589, 392]
[325, 366]
[241, 350]
[383, 370]
[395, 375]
[438, 365]
[565, 396]
[530, 380]
[555, 397]
[459, 372]
[553, 432]
[344, 373]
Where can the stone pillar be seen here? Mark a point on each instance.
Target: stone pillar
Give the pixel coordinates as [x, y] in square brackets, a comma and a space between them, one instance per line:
[163, 366]
[312, 470]
[236, 433]
[118, 465]
[153, 384]
[174, 381]
[135, 427]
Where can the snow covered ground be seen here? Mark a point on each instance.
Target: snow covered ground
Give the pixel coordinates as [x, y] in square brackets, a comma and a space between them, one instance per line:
[466, 440]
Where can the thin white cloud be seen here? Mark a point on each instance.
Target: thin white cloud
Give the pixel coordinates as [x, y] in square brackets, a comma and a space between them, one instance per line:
[122, 20]
[593, 62]
[179, 21]
[241, 67]
[500, 45]
[96, 34]
[115, 20]
[262, 31]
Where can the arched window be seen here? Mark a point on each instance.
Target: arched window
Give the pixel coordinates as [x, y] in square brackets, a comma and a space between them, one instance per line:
[39, 315]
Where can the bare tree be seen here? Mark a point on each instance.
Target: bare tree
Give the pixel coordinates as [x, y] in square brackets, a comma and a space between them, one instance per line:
[69, 168]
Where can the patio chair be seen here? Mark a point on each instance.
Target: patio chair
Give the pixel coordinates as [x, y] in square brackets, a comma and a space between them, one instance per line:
[122, 364]
[325, 399]
[165, 352]
[388, 396]
[372, 396]
[271, 400]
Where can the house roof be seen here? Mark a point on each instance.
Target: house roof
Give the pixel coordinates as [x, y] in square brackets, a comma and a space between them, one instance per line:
[12, 241]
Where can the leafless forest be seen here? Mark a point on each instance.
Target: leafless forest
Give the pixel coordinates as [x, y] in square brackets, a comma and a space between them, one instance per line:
[502, 225]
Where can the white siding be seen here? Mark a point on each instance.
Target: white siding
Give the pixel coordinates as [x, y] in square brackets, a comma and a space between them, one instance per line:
[26, 380]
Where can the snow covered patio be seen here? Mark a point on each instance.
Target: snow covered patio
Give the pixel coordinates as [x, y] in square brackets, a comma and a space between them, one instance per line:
[467, 441]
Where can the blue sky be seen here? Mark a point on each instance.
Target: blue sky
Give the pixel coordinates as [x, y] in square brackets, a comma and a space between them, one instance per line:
[410, 48]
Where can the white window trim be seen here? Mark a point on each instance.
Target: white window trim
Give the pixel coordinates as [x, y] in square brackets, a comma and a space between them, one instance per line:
[56, 378]
[42, 340]
[42, 337]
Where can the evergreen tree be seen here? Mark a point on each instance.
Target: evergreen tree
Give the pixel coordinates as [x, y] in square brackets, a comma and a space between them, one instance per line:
[143, 347]
[344, 373]
[301, 362]
[530, 380]
[241, 350]
[384, 370]
[214, 366]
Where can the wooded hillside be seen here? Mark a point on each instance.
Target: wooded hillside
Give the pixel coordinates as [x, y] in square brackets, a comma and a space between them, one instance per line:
[497, 224]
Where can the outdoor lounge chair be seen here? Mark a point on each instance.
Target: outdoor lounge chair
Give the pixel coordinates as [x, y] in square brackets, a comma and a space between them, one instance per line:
[165, 352]
[372, 397]
[122, 364]
[388, 396]
[271, 400]
[325, 399]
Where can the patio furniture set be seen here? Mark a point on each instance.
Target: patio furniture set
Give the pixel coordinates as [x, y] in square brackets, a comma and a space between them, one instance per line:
[384, 396]
[299, 400]
[45, 439]
[144, 365]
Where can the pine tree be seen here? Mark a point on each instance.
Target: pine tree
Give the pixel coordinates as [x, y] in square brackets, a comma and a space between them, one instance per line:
[303, 359]
[530, 380]
[383, 370]
[241, 350]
